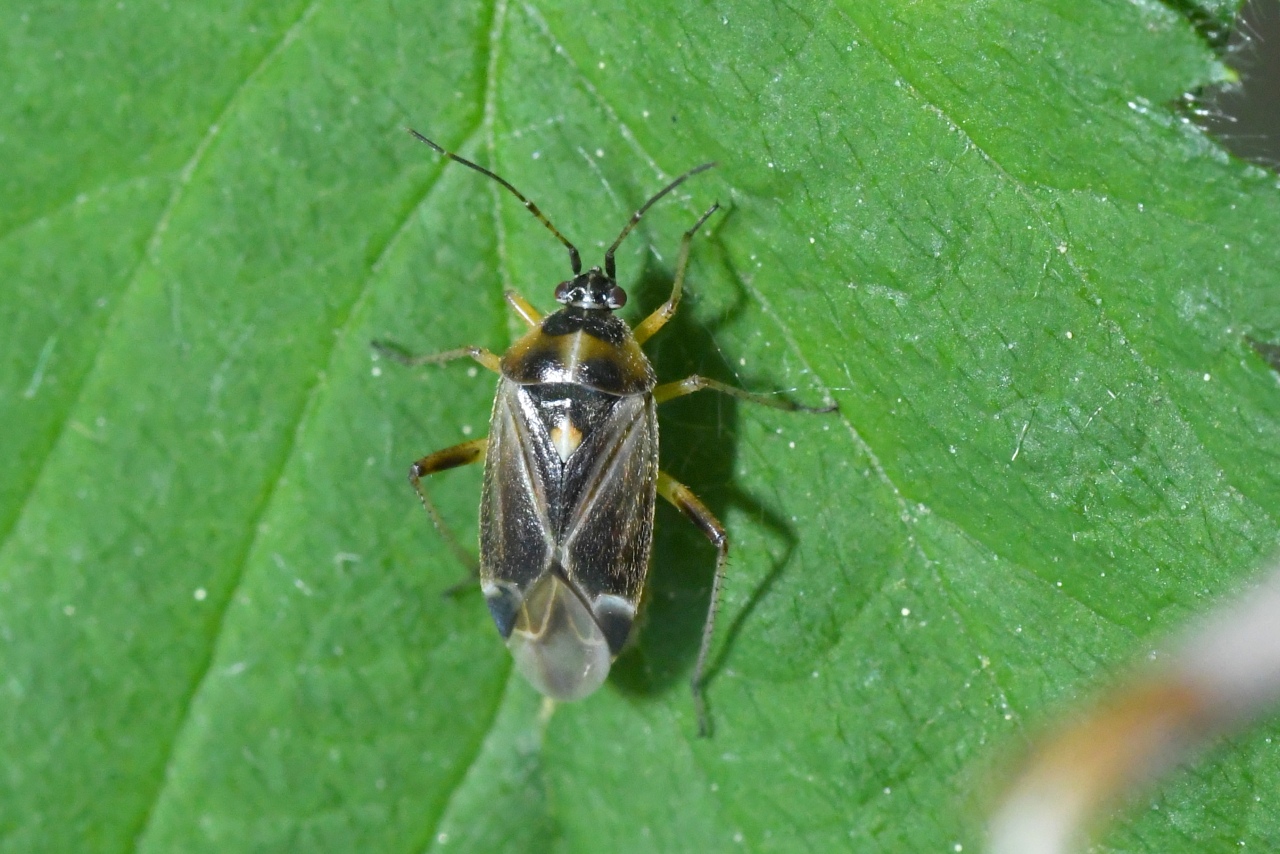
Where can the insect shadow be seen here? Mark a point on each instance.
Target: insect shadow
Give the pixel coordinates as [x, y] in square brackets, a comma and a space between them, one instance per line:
[699, 446]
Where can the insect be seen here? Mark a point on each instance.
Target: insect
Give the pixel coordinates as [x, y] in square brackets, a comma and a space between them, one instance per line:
[571, 471]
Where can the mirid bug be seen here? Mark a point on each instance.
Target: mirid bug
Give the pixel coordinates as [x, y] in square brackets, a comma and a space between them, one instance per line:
[571, 471]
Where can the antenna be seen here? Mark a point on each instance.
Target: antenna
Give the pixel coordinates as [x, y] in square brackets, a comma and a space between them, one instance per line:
[575, 260]
[635, 217]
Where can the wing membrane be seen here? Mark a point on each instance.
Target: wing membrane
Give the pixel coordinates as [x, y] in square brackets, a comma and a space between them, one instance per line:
[609, 486]
[522, 474]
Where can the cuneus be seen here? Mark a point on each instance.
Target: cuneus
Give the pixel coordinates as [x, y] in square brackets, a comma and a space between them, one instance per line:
[571, 471]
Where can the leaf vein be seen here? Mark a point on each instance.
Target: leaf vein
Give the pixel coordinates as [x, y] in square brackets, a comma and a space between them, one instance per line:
[497, 27]
[152, 246]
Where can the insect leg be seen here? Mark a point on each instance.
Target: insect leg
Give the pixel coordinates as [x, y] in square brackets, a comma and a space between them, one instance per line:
[458, 455]
[651, 324]
[693, 383]
[397, 353]
[530, 315]
[696, 512]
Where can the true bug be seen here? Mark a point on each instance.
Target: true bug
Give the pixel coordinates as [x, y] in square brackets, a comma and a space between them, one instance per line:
[571, 471]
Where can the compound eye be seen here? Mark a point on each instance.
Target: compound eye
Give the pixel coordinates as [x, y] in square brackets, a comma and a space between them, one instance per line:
[617, 297]
[563, 290]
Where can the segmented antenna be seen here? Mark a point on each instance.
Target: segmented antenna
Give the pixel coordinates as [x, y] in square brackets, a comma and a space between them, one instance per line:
[575, 260]
[635, 217]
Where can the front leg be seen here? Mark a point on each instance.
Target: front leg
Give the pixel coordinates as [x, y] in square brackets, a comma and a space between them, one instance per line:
[530, 315]
[644, 329]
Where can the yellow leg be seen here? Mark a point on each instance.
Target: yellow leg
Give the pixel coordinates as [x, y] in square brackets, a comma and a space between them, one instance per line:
[462, 454]
[683, 499]
[644, 329]
[530, 315]
[693, 383]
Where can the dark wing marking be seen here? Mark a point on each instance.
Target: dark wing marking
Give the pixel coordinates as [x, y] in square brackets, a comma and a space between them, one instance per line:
[609, 485]
[521, 473]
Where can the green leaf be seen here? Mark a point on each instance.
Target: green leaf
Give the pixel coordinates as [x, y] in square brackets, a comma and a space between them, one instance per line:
[981, 228]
